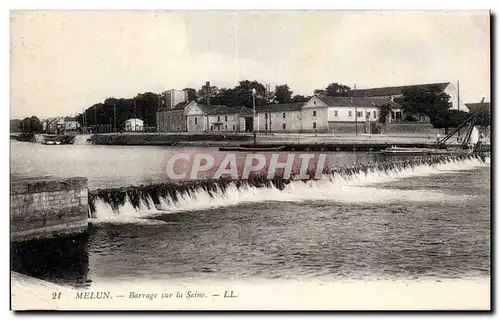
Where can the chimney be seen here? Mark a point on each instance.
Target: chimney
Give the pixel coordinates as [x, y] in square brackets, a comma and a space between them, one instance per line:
[208, 93]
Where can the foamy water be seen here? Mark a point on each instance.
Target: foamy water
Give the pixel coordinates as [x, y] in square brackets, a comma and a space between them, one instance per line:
[357, 188]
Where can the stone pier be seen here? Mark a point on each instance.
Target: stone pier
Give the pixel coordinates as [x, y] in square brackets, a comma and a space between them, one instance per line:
[44, 208]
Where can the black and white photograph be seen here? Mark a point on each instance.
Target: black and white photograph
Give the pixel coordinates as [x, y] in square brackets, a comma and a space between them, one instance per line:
[250, 160]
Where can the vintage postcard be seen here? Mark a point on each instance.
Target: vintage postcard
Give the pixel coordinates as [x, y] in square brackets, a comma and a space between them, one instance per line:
[250, 160]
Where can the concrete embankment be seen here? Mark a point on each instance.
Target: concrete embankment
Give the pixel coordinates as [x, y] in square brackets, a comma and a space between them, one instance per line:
[42, 208]
[145, 139]
[288, 142]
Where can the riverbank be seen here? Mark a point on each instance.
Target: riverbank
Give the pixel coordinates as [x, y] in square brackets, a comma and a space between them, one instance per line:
[285, 141]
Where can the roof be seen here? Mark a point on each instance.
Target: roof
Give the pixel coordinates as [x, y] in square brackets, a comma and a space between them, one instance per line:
[475, 106]
[180, 105]
[223, 109]
[69, 118]
[392, 91]
[358, 101]
[278, 107]
[134, 120]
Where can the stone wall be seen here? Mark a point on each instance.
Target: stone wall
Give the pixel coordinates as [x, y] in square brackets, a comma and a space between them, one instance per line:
[47, 207]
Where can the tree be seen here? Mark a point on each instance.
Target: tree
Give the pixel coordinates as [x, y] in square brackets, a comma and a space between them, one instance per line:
[483, 118]
[384, 112]
[31, 125]
[203, 93]
[334, 90]
[319, 92]
[15, 125]
[448, 119]
[191, 94]
[424, 101]
[337, 90]
[283, 94]
[300, 98]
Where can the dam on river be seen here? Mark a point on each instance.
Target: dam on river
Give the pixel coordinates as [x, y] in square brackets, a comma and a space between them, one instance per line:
[366, 208]
[157, 198]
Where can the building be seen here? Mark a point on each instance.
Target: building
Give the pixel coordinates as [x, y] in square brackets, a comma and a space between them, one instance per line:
[282, 117]
[325, 113]
[207, 118]
[170, 117]
[134, 125]
[173, 97]
[172, 120]
[71, 124]
[391, 93]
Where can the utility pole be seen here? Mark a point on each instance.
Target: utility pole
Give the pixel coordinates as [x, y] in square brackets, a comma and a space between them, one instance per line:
[114, 115]
[269, 108]
[355, 109]
[254, 133]
[95, 115]
[458, 101]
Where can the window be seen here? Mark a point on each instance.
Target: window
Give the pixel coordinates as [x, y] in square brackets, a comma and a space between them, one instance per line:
[314, 113]
[225, 118]
[218, 118]
[226, 126]
[284, 125]
[336, 113]
[368, 114]
[266, 116]
[314, 125]
[211, 128]
[195, 120]
[350, 114]
[284, 115]
[375, 114]
[360, 114]
[234, 128]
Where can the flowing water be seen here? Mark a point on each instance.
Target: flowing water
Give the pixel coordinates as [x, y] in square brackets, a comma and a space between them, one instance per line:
[425, 222]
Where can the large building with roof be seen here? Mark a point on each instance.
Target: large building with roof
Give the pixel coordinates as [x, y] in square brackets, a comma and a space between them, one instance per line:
[285, 117]
[170, 116]
[213, 118]
[325, 113]
[392, 93]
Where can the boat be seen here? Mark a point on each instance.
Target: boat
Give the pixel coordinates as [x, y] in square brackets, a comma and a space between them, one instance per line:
[58, 139]
[412, 151]
[251, 149]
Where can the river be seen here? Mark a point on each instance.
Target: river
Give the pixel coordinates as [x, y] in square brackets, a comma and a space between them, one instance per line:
[431, 224]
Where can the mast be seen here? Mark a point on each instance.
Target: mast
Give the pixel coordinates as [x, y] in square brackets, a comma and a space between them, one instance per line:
[114, 115]
[355, 109]
[458, 101]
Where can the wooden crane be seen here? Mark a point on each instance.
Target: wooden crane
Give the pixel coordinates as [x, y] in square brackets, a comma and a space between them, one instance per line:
[472, 119]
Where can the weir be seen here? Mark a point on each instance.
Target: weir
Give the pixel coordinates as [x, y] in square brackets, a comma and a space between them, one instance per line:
[161, 197]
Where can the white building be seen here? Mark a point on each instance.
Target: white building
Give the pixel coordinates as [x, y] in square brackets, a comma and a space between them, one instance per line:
[70, 124]
[324, 113]
[134, 124]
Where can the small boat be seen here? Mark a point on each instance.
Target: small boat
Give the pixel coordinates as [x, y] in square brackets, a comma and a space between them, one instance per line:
[251, 149]
[398, 150]
[58, 140]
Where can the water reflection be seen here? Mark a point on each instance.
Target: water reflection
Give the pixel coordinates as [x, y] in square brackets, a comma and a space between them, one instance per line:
[63, 261]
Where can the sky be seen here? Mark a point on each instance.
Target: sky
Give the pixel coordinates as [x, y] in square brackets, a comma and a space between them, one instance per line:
[65, 61]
